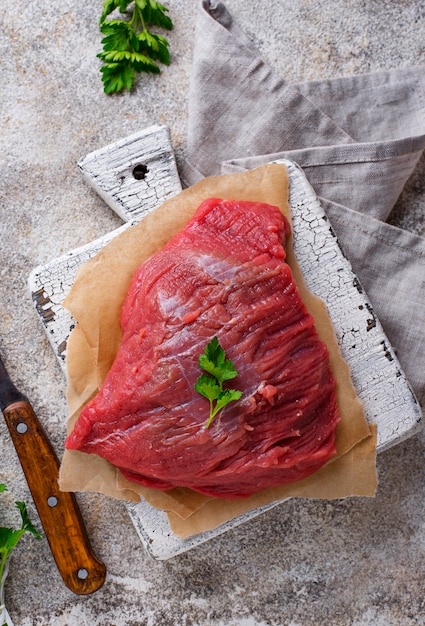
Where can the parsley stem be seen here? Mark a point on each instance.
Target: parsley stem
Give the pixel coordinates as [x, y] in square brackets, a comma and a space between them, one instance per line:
[211, 417]
[213, 413]
[135, 19]
[142, 22]
[2, 566]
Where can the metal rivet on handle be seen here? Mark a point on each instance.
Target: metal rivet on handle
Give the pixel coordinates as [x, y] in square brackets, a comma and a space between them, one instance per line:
[82, 573]
[52, 501]
[21, 428]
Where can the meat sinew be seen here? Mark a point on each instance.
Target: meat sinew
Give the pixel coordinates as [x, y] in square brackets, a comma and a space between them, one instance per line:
[223, 275]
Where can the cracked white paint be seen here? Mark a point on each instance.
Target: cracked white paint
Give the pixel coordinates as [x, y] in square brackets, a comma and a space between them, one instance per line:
[377, 375]
[110, 172]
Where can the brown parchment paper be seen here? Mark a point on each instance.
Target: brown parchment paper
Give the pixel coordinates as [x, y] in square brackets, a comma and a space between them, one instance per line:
[95, 302]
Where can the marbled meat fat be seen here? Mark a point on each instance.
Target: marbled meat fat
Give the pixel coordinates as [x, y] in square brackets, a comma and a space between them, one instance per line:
[223, 275]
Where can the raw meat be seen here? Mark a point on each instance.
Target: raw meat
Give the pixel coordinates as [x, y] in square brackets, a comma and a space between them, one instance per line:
[223, 275]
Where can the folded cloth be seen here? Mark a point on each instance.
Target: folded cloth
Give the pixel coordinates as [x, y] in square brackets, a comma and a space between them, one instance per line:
[358, 140]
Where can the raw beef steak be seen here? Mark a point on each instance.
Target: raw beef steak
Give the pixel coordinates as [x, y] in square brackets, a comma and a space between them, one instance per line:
[223, 275]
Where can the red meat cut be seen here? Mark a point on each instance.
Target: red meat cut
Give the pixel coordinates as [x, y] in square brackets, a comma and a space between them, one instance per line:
[223, 275]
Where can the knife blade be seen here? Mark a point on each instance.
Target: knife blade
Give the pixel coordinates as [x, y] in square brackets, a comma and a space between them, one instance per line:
[80, 569]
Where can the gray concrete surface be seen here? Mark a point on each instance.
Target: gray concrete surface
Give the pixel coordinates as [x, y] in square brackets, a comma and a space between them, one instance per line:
[355, 562]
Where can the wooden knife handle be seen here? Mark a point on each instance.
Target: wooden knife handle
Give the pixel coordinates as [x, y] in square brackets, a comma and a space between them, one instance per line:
[81, 571]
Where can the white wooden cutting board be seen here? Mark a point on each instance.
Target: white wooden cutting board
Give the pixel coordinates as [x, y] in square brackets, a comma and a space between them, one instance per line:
[134, 176]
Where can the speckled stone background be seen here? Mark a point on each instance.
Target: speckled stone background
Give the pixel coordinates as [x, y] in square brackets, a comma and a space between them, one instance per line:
[356, 562]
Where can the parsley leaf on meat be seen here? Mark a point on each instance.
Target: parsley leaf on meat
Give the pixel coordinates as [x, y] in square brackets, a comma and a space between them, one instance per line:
[128, 45]
[219, 369]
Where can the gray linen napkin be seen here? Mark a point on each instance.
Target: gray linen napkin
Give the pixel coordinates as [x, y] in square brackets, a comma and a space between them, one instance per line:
[358, 140]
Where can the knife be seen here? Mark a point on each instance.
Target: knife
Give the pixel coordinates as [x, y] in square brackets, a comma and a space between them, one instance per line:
[81, 571]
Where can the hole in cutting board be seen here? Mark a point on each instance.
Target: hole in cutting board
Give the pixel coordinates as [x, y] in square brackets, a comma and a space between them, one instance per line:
[140, 171]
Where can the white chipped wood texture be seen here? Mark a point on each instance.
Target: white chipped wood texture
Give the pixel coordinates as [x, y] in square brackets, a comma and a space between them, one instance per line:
[50, 284]
[379, 381]
[110, 172]
[377, 376]
[154, 531]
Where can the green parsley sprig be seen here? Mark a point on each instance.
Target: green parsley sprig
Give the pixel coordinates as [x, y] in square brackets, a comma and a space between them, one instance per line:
[129, 47]
[9, 538]
[219, 369]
